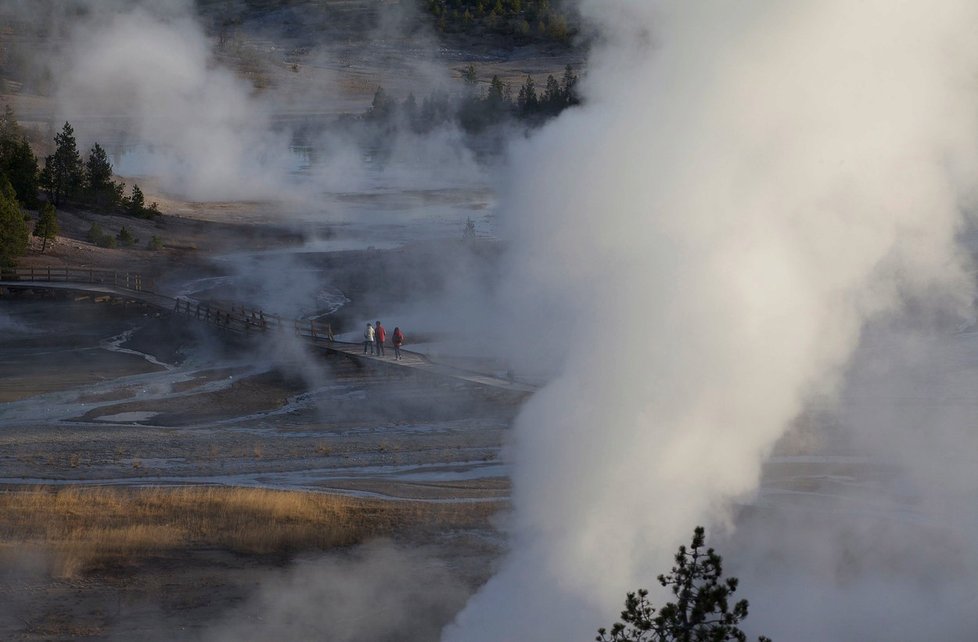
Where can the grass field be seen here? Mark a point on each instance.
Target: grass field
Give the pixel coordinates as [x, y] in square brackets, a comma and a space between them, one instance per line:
[88, 528]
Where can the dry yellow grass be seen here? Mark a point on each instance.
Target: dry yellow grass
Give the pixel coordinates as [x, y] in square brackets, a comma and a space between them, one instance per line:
[87, 527]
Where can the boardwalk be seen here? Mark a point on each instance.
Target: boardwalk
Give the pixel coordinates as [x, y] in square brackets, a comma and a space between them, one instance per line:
[235, 319]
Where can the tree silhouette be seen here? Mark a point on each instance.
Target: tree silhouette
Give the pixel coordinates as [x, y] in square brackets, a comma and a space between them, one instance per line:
[527, 101]
[701, 611]
[20, 165]
[47, 226]
[137, 202]
[63, 172]
[13, 230]
[101, 190]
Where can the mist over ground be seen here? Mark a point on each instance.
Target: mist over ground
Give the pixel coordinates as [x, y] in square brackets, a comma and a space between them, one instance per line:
[379, 592]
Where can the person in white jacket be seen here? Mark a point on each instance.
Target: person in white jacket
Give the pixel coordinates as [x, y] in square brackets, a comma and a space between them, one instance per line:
[368, 339]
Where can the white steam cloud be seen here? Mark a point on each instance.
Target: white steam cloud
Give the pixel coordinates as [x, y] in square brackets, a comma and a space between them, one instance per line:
[699, 251]
[379, 592]
[150, 74]
[207, 137]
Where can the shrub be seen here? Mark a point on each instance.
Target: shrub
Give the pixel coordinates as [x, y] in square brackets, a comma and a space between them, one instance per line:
[94, 234]
[125, 237]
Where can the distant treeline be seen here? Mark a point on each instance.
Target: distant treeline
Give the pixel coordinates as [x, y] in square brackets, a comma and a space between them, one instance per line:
[476, 111]
[520, 19]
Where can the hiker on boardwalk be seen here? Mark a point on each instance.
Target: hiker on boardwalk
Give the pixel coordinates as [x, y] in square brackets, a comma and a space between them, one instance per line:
[397, 339]
[368, 339]
[380, 335]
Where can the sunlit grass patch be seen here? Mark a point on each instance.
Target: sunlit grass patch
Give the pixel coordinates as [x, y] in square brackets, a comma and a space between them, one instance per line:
[88, 527]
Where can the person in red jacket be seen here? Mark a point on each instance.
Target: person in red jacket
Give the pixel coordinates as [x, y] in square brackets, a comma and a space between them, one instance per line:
[380, 334]
[397, 339]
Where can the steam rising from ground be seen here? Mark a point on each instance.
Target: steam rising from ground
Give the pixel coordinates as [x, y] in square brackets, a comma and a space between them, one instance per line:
[381, 592]
[208, 137]
[698, 253]
[150, 74]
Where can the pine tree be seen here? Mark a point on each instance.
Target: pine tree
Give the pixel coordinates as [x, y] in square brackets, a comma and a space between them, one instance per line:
[382, 106]
[553, 97]
[701, 612]
[137, 202]
[125, 237]
[13, 230]
[527, 100]
[63, 174]
[100, 190]
[47, 226]
[569, 86]
[18, 162]
[9, 127]
[94, 234]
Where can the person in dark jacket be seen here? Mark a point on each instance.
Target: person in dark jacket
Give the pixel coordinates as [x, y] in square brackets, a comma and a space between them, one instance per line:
[397, 339]
[380, 334]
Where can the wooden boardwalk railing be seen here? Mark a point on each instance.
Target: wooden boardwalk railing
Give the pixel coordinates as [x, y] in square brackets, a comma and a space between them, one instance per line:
[127, 280]
[231, 317]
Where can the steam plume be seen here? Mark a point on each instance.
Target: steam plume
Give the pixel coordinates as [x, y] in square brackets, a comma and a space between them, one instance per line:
[700, 248]
[209, 138]
[379, 592]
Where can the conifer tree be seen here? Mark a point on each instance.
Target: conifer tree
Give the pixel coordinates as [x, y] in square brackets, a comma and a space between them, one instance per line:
[47, 226]
[17, 160]
[13, 230]
[125, 237]
[701, 610]
[568, 85]
[63, 173]
[137, 202]
[382, 106]
[9, 127]
[527, 99]
[100, 189]
[20, 166]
